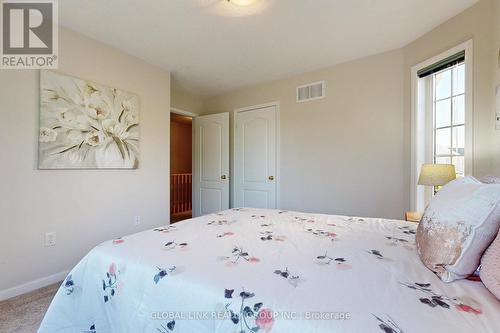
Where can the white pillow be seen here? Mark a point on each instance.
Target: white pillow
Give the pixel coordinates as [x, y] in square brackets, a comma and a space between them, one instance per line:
[458, 226]
[490, 180]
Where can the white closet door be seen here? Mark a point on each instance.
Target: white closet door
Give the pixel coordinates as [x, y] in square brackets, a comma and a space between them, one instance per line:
[211, 164]
[255, 183]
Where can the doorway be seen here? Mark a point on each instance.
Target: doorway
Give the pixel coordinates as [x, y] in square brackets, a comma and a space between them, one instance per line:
[180, 167]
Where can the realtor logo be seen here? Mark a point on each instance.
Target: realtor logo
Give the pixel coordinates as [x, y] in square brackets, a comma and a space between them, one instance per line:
[29, 38]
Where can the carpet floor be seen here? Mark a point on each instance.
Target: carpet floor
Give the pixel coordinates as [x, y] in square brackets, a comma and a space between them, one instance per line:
[24, 313]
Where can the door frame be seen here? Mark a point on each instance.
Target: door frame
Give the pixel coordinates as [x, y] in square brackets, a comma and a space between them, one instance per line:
[188, 114]
[183, 112]
[233, 114]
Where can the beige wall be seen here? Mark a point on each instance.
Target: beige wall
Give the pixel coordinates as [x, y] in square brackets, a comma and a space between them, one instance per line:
[496, 81]
[350, 152]
[185, 100]
[343, 154]
[84, 207]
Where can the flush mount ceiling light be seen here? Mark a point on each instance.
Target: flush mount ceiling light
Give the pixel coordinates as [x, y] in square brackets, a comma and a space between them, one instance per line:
[237, 8]
[241, 2]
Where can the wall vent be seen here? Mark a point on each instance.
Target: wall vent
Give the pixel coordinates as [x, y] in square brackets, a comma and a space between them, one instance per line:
[311, 92]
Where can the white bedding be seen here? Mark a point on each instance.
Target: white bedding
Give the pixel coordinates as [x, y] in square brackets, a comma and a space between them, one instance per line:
[253, 270]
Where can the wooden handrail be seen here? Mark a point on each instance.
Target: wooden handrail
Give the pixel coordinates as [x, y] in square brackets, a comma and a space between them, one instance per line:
[180, 192]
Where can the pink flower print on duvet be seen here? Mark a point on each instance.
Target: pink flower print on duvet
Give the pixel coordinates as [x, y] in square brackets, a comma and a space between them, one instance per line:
[112, 269]
[467, 308]
[225, 234]
[110, 283]
[248, 318]
[434, 300]
[265, 320]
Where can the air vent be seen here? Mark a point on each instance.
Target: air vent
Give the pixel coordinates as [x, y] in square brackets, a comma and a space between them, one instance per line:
[311, 92]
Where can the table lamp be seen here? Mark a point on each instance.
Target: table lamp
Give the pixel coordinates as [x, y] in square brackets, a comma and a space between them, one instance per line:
[436, 175]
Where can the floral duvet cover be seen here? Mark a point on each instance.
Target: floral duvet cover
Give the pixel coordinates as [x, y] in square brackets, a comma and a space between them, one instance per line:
[249, 270]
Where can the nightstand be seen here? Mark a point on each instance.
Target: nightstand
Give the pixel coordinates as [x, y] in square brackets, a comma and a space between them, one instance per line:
[413, 217]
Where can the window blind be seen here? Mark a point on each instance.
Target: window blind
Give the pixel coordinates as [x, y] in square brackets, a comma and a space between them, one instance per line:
[443, 64]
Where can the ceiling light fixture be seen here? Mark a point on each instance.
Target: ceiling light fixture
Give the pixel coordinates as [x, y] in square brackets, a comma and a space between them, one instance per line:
[241, 2]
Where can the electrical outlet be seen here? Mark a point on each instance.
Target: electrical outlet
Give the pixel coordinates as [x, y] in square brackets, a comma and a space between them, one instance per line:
[137, 220]
[50, 238]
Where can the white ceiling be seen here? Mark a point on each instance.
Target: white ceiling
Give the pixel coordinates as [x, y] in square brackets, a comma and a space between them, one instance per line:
[212, 46]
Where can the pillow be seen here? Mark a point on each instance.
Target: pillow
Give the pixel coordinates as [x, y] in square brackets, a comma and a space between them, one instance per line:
[490, 180]
[459, 224]
[490, 268]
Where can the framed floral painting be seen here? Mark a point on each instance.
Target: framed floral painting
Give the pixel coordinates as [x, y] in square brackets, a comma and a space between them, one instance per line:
[85, 125]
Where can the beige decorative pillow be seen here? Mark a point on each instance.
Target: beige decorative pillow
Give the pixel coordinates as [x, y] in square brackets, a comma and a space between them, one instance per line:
[458, 225]
[490, 268]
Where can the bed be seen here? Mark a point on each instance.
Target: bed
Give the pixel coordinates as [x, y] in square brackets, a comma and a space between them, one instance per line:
[250, 270]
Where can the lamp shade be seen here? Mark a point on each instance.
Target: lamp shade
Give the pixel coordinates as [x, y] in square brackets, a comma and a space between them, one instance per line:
[437, 174]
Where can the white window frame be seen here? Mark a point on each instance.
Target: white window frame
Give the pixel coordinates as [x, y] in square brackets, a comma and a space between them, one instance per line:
[422, 124]
[452, 124]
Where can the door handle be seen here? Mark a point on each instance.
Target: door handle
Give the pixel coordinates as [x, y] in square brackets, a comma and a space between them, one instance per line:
[223, 177]
[270, 177]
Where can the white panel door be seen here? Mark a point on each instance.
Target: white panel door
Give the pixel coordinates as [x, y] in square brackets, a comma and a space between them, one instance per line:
[255, 181]
[211, 164]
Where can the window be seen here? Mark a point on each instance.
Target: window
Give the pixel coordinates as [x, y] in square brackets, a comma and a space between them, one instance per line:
[441, 118]
[449, 117]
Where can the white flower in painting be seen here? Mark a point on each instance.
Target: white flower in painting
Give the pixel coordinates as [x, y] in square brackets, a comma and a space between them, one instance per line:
[72, 119]
[75, 136]
[47, 134]
[97, 112]
[131, 118]
[93, 103]
[65, 115]
[83, 123]
[127, 105]
[95, 139]
[75, 157]
[49, 95]
[111, 157]
[114, 128]
[130, 112]
[90, 88]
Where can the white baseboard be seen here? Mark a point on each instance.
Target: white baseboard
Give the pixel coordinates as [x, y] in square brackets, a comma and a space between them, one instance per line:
[32, 285]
